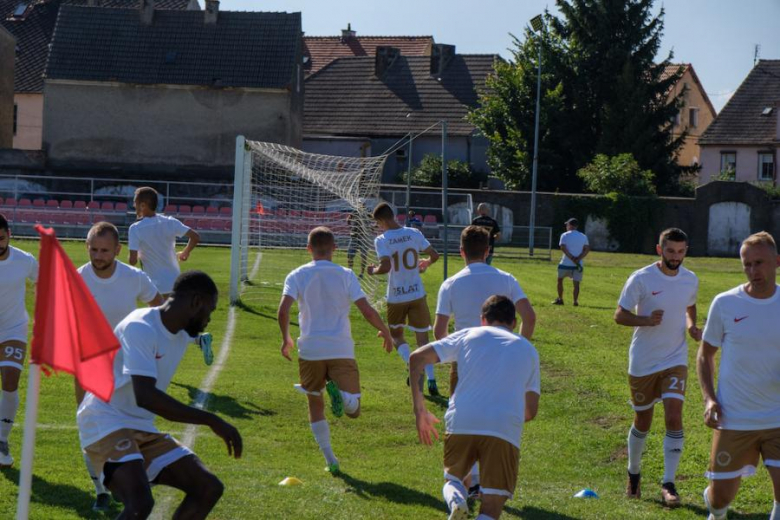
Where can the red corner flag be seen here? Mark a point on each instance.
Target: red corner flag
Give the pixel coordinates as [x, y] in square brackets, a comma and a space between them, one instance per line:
[71, 333]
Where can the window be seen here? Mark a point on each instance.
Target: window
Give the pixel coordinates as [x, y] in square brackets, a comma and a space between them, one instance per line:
[20, 10]
[693, 117]
[728, 163]
[16, 115]
[766, 166]
[676, 119]
[401, 154]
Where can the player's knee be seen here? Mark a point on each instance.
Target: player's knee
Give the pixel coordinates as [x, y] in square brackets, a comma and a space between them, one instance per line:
[213, 489]
[492, 505]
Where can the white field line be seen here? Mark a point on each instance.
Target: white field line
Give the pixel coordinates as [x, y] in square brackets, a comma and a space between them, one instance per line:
[191, 431]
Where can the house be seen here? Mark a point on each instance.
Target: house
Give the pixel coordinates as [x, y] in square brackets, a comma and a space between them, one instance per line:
[7, 58]
[364, 105]
[744, 139]
[170, 90]
[319, 51]
[695, 115]
[32, 23]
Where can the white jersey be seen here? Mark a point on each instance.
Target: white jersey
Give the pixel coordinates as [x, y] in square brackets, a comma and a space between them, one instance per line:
[147, 349]
[654, 349]
[15, 270]
[155, 240]
[463, 294]
[495, 370]
[118, 295]
[325, 292]
[575, 242]
[747, 330]
[402, 246]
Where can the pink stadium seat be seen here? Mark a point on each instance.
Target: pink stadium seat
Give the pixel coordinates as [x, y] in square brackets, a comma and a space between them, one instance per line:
[79, 204]
[430, 219]
[185, 209]
[170, 208]
[66, 204]
[401, 218]
[212, 210]
[10, 202]
[25, 203]
[98, 217]
[52, 204]
[39, 203]
[93, 204]
[227, 225]
[203, 223]
[190, 223]
[82, 219]
[57, 218]
[198, 210]
[121, 206]
[226, 210]
[107, 206]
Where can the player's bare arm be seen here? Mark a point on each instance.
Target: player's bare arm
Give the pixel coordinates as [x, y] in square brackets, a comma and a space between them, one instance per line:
[629, 319]
[194, 240]
[373, 317]
[156, 301]
[528, 315]
[384, 266]
[585, 251]
[283, 318]
[531, 405]
[690, 317]
[440, 326]
[149, 397]
[705, 367]
[565, 251]
[433, 256]
[426, 421]
[132, 257]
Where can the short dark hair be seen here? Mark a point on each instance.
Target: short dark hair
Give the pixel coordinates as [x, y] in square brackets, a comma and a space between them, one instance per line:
[147, 195]
[3, 222]
[672, 235]
[103, 228]
[321, 239]
[474, 240]
[498, 309]
[383, 211]
[196, 282]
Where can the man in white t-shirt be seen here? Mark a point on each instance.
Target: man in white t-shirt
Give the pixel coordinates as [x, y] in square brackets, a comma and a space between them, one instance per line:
[497, 393]
[117, 288]
[574, 246]
[16, 267]
[745, 412]
[659, 301]
[119, 436]
[398, 249]
[152, 240]
[325, 293]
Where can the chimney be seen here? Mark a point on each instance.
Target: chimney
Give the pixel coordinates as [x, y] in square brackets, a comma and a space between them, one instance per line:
[385, 57]
[212, 12]
[441, 55]
[347, 34]
[147, 11]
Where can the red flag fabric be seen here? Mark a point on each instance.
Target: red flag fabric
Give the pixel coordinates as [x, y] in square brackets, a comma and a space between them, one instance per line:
[70, 333]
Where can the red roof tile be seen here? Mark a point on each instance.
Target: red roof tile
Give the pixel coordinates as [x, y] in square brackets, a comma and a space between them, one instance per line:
[322, 50]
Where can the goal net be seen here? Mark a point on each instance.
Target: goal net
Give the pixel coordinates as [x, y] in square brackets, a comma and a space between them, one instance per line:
[280, 194]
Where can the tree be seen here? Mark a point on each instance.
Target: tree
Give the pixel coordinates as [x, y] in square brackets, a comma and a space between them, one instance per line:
[618, 174]
[459, 173]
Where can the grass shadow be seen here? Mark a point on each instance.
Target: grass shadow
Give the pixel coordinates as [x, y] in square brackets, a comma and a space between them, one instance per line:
[391, 492]
[703, 512]
[227, 405]
[534, 513]
[440, 401]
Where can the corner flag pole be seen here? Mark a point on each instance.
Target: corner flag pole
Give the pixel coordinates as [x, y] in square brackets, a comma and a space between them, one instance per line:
[28, 444]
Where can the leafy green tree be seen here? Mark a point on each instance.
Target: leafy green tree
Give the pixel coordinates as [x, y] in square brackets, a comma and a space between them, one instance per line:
[617, 174]
[459, 173]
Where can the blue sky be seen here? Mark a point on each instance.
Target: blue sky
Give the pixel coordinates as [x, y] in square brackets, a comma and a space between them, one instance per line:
[716, 36]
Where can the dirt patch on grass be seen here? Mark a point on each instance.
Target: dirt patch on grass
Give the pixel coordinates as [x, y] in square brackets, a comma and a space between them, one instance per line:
[606, 421]
[619, 454]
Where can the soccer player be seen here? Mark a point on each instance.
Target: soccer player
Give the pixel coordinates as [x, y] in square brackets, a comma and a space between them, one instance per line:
[498, 391]
[745, 411]
[398, 249]
[574, 246]
[326, 353]
[659, 301]
[358, 236]
[490, 224]
[16, 266]
[152, 240]
[120, 438]
[116, 287]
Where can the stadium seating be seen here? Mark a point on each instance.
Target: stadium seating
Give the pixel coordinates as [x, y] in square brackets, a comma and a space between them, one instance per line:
[170, 208]
[401, 218]
[198, 210]
[107, 206]
[66, 204]
[80, 204]
[10, 202]
[25, 203]
[212, 210]
[39, 203]
[121, 206]
[226, 210]
[430, 219]
[185, 209]
[52, 204]
[93, 205]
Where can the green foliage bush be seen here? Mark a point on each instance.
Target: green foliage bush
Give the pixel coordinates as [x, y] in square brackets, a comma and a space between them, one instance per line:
[459, 173]
[617, 174]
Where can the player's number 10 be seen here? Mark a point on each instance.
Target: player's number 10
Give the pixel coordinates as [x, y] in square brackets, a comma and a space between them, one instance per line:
[409, 258]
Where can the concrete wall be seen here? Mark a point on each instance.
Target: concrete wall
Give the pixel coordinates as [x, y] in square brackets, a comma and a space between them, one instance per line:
[119, 124]
[7, 62]
[747, 161]
[29, 121]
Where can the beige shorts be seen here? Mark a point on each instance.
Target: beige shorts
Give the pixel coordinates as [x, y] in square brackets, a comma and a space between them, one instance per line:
[653, 388]
[12, 353]
[413, 315]
[735, 453]
[498, 460]
[574, 274]
[343, 372]
[156, 450]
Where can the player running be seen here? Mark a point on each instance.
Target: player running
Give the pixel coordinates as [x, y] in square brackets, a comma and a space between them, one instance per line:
[16, 267]
[498, 391]
[398, 249]
[659, 301]
[745, 411]
[326, 352]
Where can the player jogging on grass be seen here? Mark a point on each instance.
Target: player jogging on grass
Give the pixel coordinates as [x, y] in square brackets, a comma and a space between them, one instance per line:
[16, 267]
[659, 301]
[398, 249]
[498, 391]
[120, 438]
[574, 246]
[117, 288]
[745, 412]
[326, 352]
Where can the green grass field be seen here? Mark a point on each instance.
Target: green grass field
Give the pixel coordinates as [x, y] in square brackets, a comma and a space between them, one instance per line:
[577, 440]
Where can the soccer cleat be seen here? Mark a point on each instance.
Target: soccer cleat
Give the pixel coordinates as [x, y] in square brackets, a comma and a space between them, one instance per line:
[459, 509]
[333, 469]
[633, 488]
[576, 304]
[336, 401]
[557, 301]
[102, 502]
[474, 491]
[204, 342]
[5, 455]
[669, 495]
[433, 390]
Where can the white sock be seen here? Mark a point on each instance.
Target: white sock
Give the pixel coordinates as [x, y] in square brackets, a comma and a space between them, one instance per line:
[715, 514]
[321, 431]
[453, 491]
[430, 373]
[9, 403]
[483, 516]
[673, 445]
[403, 351]
[99, 488]
[636, 445]
[351, 401]
[475, 474]
[775, 512]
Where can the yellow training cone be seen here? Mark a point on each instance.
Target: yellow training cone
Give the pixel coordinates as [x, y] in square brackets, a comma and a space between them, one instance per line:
[290, 481]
